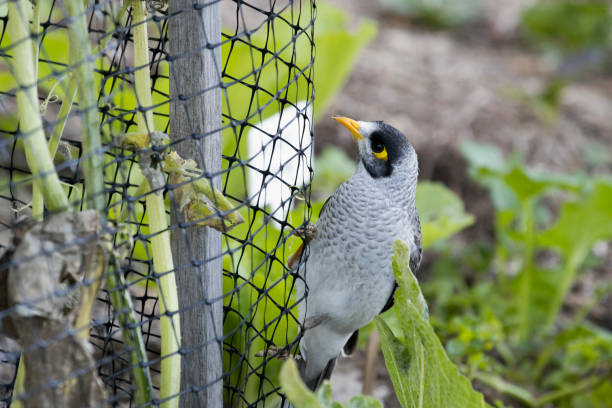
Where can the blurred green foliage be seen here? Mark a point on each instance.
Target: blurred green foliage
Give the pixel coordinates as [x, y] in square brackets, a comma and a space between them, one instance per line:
[438, 13]
[498, 305]
[441, 212]
[569, 26]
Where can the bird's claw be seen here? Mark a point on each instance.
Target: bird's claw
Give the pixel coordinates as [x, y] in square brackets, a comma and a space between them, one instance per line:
[306, 231]
[282, 353]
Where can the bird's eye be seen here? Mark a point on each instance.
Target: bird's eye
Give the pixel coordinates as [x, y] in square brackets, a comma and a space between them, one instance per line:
[377, 147]
[379, 150]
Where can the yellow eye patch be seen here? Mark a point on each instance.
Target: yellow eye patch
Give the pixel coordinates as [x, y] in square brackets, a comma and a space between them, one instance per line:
[381, 155]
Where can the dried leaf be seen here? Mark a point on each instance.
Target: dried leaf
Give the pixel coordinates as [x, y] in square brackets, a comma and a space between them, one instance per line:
[198, 200]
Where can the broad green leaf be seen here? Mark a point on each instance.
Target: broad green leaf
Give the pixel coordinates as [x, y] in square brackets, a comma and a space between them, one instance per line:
[441, 212]
[483, 156]
[423, 376]
[409, 290]
[508, 180]
[580, 224]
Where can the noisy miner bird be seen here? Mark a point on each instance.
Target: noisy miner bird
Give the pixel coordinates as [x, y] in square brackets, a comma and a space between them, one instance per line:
[348, 278]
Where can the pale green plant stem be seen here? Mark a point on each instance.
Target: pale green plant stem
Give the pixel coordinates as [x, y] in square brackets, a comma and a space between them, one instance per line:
[168, 301]
[132, 335]
[158, 226]
[30, 122]
[578, 388]
[62, 116]
[505, 387]
[526, 279]
[566, 279]
[38, 204]
[36, 30]
[521, 394]
[83, 67]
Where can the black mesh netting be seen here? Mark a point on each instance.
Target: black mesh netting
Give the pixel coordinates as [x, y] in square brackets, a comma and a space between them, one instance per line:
[233, 92]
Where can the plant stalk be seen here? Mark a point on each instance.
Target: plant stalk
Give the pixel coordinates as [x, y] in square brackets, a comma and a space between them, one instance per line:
[62, 116]
[566, 279]
[83, 66]
[30, 122]
[504, 387]
[158, 225]
[578, 388]
[168, 301]
[38, 204]
[132, 335]
[526, 278]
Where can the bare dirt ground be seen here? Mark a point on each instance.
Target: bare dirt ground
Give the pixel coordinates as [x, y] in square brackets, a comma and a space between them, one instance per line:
[444, 87]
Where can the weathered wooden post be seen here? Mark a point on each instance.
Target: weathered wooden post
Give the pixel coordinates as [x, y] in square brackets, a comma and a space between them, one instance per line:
[195, 123]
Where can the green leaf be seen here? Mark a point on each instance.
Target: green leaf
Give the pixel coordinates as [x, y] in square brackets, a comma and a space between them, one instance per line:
[508, 180]
[423, 376]
[580, 224]
[294, 388]
[409, 290]
[441, 212]
[363, 401]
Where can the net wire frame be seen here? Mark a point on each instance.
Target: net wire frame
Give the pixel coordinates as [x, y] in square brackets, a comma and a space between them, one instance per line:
[265, 80]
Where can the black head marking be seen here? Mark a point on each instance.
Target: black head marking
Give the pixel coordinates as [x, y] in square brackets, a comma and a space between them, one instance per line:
[389, 139]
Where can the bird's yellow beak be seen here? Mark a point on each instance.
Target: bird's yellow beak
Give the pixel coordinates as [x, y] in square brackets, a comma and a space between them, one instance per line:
[351, 125]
